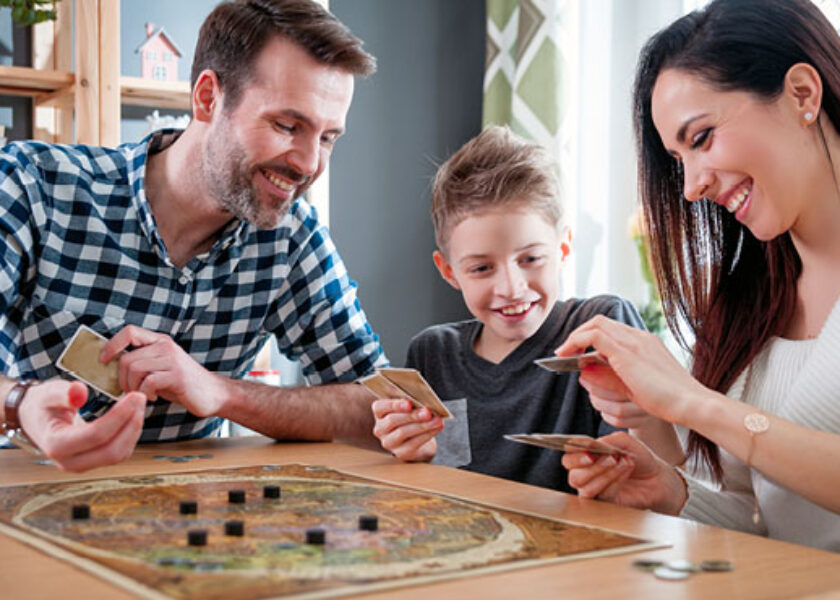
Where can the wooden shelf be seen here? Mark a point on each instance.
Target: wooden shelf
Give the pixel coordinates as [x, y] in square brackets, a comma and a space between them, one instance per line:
[135, 91]
[26, 81]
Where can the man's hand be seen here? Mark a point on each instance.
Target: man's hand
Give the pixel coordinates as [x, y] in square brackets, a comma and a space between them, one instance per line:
[49, 416]
[407, 434]
[156, 366]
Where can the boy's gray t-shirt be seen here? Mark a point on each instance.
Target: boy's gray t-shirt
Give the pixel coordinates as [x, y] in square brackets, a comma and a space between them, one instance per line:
[515, 396]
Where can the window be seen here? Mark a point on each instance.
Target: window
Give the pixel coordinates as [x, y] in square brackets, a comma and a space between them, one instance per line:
[151, 55]
[167, 57]
[160, 73]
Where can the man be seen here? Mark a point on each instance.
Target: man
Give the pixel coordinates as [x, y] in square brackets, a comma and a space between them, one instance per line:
[188, 251]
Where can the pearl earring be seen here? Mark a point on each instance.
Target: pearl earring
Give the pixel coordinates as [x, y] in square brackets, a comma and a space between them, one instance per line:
[809, 117]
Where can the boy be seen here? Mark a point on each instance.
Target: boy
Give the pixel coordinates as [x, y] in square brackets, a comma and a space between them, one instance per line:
[496, 215]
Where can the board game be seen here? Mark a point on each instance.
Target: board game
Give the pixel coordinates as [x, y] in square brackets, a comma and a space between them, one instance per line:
[282, 531]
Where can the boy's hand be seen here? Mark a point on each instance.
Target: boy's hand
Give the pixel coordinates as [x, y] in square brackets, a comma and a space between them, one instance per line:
[407, 433]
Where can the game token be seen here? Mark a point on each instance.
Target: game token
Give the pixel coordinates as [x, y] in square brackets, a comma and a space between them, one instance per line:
[235, 528]
[271, 491]
[197, 537]
[236, 496]
[647, 564]
[671, 574]
[81, 511]
[188, 507]
[717, 565]
[683, 565]
[316, 536]
[368, 522]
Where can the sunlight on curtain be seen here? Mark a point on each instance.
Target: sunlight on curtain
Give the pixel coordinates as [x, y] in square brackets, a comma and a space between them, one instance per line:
[527, 80]
[561, 72]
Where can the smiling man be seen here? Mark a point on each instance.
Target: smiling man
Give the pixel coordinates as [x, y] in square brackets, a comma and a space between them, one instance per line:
[188, 250]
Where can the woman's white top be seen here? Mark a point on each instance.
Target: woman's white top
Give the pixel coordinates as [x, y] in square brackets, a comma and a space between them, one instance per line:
[798, 381]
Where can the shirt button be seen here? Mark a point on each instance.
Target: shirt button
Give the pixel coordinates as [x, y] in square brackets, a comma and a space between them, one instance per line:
[184, 280]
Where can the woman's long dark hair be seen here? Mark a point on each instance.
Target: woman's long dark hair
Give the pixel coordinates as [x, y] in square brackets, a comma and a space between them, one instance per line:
[733, 291]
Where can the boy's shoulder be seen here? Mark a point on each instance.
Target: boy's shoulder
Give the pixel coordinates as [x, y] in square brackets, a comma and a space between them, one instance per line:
[577, 311]
[443, 334]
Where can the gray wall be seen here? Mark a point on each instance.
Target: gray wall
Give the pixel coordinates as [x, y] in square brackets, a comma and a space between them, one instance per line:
[422, 104]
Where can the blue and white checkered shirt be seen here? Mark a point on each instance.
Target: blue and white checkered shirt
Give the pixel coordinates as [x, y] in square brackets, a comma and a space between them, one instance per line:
[79, 245]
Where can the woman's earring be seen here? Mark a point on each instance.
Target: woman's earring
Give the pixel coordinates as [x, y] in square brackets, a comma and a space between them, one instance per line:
[809, 116]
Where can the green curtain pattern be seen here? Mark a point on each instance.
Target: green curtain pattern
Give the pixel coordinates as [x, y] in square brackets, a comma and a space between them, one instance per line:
[523, 81]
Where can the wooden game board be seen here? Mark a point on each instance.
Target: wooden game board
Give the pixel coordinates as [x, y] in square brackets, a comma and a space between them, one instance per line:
[136, 537]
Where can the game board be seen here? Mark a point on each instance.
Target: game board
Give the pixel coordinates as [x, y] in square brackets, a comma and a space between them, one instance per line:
[137, 538]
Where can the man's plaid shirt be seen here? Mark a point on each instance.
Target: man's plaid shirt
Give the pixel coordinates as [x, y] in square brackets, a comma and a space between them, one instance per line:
[79, 245]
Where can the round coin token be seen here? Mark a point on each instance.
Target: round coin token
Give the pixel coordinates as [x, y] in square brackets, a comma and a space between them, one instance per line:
[717, 565]
[671, 574]
[647, 564]
[683, 565]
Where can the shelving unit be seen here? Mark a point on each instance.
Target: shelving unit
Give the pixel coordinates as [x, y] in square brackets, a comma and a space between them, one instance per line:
[84, 107]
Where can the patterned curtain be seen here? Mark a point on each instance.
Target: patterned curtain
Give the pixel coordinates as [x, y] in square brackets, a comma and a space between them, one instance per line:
[527, 75]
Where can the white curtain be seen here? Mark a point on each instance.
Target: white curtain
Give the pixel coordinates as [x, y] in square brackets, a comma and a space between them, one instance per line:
[601, 162]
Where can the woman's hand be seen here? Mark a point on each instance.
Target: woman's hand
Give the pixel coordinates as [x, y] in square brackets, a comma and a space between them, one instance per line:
[637, 478]
[643, 370]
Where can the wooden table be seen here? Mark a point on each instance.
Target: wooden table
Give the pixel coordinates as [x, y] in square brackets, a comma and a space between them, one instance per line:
[764, 568]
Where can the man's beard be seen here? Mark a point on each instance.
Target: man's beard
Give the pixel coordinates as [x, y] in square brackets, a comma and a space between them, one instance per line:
[231, 183]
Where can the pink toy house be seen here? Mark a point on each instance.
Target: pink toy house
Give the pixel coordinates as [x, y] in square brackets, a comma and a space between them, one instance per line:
[158, 55]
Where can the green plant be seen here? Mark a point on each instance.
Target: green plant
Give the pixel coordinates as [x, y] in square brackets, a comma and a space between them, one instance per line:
[28, 12]
[651, 311]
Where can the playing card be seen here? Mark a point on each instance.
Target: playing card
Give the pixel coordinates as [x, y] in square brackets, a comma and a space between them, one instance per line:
[412, 383]
[565, 364]
[382, 388]
[81, 359]
[406, 383]
[564, 442]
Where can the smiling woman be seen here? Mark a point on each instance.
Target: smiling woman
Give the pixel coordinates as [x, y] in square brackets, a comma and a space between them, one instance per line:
[738, 163]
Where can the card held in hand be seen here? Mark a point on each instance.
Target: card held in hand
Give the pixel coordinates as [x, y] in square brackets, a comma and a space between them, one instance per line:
[405, 383]
[382, 388]
[81, 359]
[566, 364]
[564, 442]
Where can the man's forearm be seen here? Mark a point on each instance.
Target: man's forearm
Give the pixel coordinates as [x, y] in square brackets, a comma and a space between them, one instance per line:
[317, 413]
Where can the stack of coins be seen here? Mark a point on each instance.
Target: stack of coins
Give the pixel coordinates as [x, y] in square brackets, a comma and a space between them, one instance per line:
[677, 570]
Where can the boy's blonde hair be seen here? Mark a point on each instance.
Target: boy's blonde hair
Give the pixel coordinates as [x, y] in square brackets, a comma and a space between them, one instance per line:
[496, 168]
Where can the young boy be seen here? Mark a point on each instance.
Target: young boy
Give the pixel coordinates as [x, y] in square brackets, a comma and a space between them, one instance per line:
[497, 226]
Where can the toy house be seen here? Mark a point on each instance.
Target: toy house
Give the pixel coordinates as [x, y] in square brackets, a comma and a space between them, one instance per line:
[158, 55]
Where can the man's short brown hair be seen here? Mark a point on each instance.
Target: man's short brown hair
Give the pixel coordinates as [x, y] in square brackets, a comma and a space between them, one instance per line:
[494, 169]
[235, 33]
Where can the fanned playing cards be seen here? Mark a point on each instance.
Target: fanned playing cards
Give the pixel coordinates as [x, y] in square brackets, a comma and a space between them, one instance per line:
[405, 383]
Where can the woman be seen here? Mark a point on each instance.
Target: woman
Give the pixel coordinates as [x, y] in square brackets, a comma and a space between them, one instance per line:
[737, 113]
